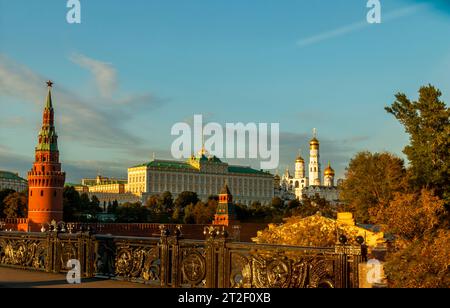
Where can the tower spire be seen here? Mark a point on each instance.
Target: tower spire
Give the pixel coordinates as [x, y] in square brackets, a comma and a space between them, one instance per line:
[49, 104]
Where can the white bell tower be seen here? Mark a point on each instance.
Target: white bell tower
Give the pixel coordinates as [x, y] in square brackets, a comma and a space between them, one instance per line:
[314, 161]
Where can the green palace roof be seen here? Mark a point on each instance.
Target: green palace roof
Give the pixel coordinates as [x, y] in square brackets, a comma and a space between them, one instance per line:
[10, 176]
[167, 164]
[245, 170]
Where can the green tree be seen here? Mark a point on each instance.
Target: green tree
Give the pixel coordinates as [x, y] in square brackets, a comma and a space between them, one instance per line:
[166, 200]
[85, 202]
[94, 207]
[113, 208]
[3, 194]
[186, 198]
[243, 213]
[189, 215]
[15, 205]
[427, 121]
[278, 204]
[371, 181]
[176, 216]
[292, 204]
[200, 213]
[71, 204]
[132, 213]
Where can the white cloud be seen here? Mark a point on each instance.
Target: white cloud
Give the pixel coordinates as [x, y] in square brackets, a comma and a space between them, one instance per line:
[105, 74]
[341, 31]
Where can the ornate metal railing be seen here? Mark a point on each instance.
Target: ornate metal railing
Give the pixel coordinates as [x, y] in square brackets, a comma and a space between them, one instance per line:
[172, 261]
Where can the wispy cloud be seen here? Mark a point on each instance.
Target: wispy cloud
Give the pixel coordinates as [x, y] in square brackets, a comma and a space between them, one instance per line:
[341, 31]
[105, 74]
[83, 122]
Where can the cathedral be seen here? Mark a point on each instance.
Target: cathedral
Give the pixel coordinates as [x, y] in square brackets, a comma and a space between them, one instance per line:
[308, 182]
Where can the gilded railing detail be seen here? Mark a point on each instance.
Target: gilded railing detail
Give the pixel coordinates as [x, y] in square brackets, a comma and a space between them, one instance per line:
[172, 261]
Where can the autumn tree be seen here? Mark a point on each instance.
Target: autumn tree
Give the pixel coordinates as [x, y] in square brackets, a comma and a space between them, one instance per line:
[371, 181]
[15, 205]
[3, 194]
[200, 213]
[422, 240]
[427, 121]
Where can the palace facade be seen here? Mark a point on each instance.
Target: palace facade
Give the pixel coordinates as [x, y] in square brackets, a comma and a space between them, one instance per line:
[11, 180]
[202, 174]
[107, 190]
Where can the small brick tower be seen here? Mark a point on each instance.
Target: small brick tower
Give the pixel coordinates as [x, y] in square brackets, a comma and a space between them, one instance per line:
[45, 179]
[225, 215]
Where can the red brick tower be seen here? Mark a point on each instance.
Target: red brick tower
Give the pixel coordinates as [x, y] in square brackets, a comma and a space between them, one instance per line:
[45, 179]
[225, 214]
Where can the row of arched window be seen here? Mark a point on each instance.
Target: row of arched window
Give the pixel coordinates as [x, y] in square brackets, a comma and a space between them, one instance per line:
[41, 193]
[45, 182]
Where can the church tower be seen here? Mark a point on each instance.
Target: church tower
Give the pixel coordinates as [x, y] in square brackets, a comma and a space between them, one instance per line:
[299, 167]
[225, 214]
[329, 176]
[45, 179]
[314, 161]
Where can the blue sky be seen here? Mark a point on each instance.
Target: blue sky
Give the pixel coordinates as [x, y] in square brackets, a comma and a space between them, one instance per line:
[132, 69]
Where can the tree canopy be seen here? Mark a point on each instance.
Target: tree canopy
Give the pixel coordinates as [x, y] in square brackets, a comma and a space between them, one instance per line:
[371, 181]
[427, 122]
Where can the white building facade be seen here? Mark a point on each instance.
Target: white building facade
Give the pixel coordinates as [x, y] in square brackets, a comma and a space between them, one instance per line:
[11, 180]
[203, 175]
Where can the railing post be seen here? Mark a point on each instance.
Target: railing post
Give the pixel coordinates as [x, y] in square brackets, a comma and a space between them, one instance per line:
[217, 271]
[86, 253]
[164, 252]
[348, 259]
[174, 250]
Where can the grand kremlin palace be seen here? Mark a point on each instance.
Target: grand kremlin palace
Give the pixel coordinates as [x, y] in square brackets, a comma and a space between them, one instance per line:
[203, 175]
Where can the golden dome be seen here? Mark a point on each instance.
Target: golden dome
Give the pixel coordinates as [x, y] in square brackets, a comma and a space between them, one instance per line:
[314, 141]
[299, 159]
[329, 171]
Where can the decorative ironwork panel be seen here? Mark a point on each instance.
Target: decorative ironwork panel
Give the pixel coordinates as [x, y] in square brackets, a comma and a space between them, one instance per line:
[192, 260]
[170, 261]
[24, 251]
[137, 260]
[259, 266]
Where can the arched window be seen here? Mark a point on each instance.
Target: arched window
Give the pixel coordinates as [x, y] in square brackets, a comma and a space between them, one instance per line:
[42, 193]
[31, 193]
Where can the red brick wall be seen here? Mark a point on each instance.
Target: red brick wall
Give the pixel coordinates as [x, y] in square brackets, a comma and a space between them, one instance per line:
[247, 231]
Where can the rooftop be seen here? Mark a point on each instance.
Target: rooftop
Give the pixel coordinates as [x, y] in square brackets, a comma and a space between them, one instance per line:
[180, 165]
[11, 176]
